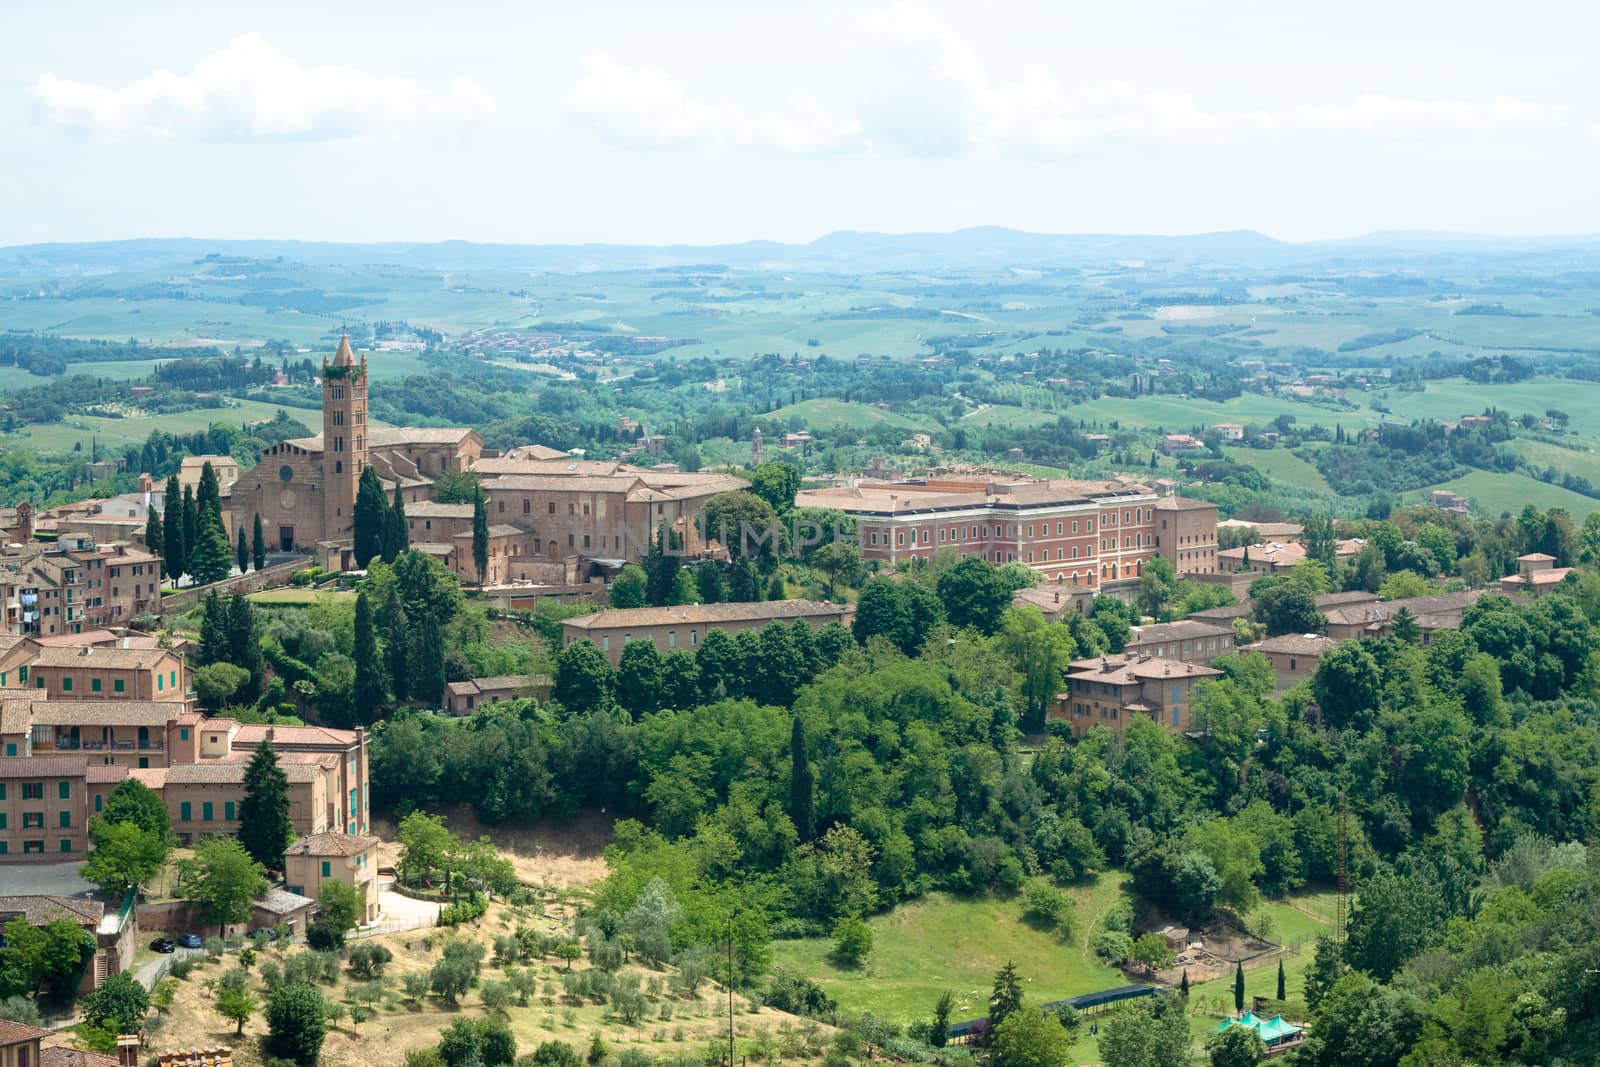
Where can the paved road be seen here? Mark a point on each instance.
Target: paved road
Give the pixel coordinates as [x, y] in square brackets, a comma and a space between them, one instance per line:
[145, 974]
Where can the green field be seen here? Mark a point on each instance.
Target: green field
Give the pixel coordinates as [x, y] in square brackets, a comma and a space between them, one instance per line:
[944, 942]
[114, 433]
[1281, 465]
[1008, 415]
[826, 413]
[295, 596]
[1495, 494]
[1451, 398]
[1176, 414]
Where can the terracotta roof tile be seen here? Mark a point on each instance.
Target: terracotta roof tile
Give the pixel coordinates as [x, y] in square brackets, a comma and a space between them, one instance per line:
[705, 614]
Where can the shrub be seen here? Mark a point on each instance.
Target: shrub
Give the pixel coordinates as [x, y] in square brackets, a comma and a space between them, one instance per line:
[119, 1003]
[296, 1022]
[324, 937]
[368, 959]
[1111, 945]
[1046, 905]
[852, 941]
[799, 995]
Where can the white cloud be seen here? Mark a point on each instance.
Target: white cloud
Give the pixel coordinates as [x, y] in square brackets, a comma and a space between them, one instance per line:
[646, 107]
[933, 96]
[248, 90]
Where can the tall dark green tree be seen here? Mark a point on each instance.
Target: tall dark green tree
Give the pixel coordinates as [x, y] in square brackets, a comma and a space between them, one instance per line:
[745, 585]
[713, 588]
[172, 531]
[396, 638]
[661, 564]
[426, 684]
[191, 523]
[1238, 986]
[208, 497]
[258, 544]
[241, 552]
[396, 537]
[153, 539]
[1283, 990]
[371, 692]
[480, 534]
[371, 516]
[1006, 997]
[212, 557]
[802, 784]
[244, 643]
[213, 630]
[264, 827]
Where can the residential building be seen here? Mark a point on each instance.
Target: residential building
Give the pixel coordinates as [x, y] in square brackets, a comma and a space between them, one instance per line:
[335, 857]
[1186, 534]
[1174, 444]
[685, 626]
[1282, 532]
[190, 469]
[1229, 431]
[1275, 557]
[1188, 640]
[1108, 691]
[114, 929]
[1445, 500]
[1055, 599]
[1294, 657]
[135, 669]
[1537, 576]
[19, 1044]
[466, 697]
[1376, 618]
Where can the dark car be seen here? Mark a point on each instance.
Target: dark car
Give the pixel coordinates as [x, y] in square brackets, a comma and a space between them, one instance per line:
[163, 944]
[190, 940]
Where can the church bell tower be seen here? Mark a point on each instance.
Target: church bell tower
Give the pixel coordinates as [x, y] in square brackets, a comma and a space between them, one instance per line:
[344, 438]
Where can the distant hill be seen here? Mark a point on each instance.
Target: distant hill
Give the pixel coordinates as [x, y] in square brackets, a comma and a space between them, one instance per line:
[845, 251]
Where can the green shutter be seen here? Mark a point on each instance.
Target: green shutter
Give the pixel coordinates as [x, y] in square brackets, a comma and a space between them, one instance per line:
[64, 790]
[66, 845]
[327, 869]
[184, 811]
[117, 685]
[66, 685]
[205, 811]
[227, 810]
[183, 733]
[94, 685]
[66, 820]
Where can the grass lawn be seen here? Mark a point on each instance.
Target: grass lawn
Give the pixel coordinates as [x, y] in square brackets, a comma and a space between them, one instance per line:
[942, 942]
[827, 413]
[299, 596]
[1281, 465]
[1492, 494]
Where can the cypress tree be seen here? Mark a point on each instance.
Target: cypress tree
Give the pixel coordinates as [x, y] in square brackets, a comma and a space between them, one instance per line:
[370, 690]
[172, 539]
[244, 642]
[371, 516]
[1283, 993]
[208, 497]
[191, 526]
[264, 827]
[241, 552]
[396, 639]
[1238, 986]
[212, 557]
[802, 784]
[1183, 984]
[396, 539]
[775, 589]
[713, 590]
[152, 536]
[745, 588]
[427, 662]
[258, 545]
[214, 643]
[480, 534]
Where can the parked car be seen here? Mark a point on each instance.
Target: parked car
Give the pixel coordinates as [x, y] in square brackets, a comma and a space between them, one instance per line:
[190, 940]
[163, 944]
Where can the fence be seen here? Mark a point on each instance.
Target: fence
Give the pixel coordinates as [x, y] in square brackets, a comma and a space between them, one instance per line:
[267, 578]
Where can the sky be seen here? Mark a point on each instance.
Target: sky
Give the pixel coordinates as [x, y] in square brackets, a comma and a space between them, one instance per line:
[702, 121]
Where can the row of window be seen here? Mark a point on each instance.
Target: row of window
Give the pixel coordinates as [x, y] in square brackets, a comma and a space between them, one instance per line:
[34, 820]
[36, 846]
[207, 811]
[35, 790]
[672, 640]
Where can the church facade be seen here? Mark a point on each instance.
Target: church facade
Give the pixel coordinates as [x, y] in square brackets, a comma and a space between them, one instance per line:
[304, 488]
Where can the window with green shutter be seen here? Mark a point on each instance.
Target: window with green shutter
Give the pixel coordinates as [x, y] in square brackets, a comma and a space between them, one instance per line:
[118, 685]
[11, 750]
[66, 820]
[66, 685]
[327, 869]
[64, 790]
[227, 810]
[205, 811]
[184, 811]
[94, 685]
[98, 799]
[66, 844]
[183, 733]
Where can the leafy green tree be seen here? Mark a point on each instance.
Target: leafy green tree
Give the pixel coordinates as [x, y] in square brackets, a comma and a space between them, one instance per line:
[584, 679]
[1326, 967]
[1030, 1037]
[1006, 997]
[426, 845]
[371, 690]
[119, 1003]
[191, 526]
[901, 611]
[340, 906]
[172, 532]
[1158, 584]
[1152, 951]
[236, 1003]
[650, 921]
[37, 958]
[371, 517]
[939, 1028]
[743, 523]
[296, 1021]
[226, 880]
[1146, 1035]
[680, 679]
[1283, 989]
[125, 855]
[216, 683]
[1288, 607]
[1041, 652]
[776, 482]
[555, 1054]
[258, 544]
[134, 802]
[639, 678]
[1361, 1024]
[480, 536]
[713, 587]
[241, 553]
[744, 587]
[974, 594]
[1346, 686]
[426, 647]
[627, 590]
[264, 826]
[1237, 1046]
[852, 941]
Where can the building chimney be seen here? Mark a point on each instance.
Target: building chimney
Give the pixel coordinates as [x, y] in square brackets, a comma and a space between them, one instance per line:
[128, 1050]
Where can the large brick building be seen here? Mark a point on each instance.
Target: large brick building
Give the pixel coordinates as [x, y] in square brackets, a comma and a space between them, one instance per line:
[1098, 535]
[1111, 690]
[304, 488]
[686, 626]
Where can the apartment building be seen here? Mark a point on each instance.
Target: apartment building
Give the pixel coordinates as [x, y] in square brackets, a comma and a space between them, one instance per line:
[76, 585]
[58, 779]
[1109, 691]
[1098, 535]
[1188, 640]
[1186, 534]
[685, 626]
[1294, 657]
[135, 669]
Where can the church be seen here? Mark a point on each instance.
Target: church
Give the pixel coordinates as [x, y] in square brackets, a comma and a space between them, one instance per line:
[304, 488]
